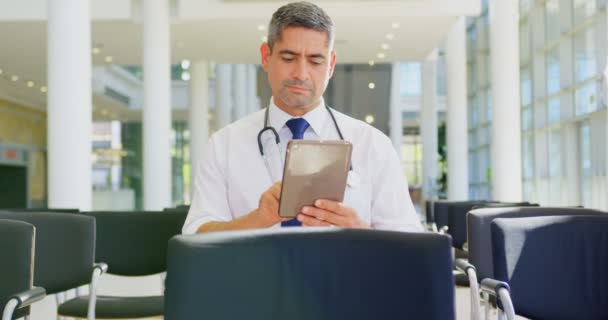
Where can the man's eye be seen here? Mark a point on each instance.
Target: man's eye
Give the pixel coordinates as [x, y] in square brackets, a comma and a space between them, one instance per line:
[316, 63]
[287, 59]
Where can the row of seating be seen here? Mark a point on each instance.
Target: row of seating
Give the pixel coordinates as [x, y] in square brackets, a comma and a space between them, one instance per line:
[66, 249]
[535, 254]
[541, 263]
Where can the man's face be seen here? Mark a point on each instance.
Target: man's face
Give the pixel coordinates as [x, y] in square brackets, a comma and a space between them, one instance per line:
[299, 68]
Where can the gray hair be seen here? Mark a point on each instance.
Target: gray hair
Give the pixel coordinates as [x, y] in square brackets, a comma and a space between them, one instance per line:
[300, 14]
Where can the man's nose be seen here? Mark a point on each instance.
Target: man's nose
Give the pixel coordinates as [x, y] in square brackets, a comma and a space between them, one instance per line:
[300, 71]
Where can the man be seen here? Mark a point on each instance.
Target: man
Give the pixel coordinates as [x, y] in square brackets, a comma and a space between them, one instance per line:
[235, 188]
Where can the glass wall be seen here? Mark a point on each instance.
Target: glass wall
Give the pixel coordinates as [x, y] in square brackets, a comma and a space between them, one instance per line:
[479, 106]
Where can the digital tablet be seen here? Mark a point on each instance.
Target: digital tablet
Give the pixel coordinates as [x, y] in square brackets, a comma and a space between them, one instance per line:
[314, 169]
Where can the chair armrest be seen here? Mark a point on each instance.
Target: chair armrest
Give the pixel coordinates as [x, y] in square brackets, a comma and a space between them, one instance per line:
[501, 291]
[468, 269]
[28, 297]
[464, 266]
[103, 267]
[22, 300]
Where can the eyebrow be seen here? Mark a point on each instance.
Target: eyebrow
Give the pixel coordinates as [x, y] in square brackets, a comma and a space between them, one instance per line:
[314, 55]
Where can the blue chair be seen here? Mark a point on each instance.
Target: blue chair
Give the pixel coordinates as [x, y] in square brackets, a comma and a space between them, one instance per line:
[310, 273]
[132, 244]
[480, 264]
[554, 267]
[17, 269]
[65, 248]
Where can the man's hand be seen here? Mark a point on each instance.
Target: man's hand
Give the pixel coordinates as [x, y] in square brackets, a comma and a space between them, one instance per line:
[268, 209]
[328, 213]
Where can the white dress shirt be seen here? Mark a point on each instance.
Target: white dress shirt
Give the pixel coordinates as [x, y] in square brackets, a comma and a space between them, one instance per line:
[233, 175]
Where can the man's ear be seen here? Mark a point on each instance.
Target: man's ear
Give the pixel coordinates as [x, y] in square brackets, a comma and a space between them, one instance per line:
[332, 63]
[265, 55]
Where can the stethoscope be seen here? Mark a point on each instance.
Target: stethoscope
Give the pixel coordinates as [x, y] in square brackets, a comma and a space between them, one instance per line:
[277, 139]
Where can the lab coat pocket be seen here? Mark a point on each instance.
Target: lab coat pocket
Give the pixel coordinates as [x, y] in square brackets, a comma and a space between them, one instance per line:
[358, 197]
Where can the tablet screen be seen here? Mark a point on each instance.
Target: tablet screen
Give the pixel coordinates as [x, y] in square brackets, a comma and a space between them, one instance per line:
[314, 169]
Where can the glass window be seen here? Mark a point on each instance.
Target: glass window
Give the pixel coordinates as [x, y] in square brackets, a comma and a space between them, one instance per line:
[585, 98]
[553, 80]
[554, 110]
[584, 55]
[526, 119]
[585, 163]
[526, 87]
[528, 157]
[540, 155]
[540, 116]
[524, 47]
[555, 153]
[410, 79]
[583, 9]
[552, 25]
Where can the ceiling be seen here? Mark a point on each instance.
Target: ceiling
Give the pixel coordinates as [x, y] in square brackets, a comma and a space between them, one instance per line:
[228, 31]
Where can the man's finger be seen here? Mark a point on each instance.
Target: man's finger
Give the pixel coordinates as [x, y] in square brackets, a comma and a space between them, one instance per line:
[323, 215]
[333, 206]
[311, 221]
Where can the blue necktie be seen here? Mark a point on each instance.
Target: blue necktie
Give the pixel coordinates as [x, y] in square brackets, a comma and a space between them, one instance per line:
[297, 126]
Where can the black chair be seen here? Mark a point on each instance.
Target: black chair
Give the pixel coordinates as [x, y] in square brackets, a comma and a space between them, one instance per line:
[17, 269]
[65, 247]
[480, 264]
[60, 210]
[132, 244]
[310, 273]
[554, 267]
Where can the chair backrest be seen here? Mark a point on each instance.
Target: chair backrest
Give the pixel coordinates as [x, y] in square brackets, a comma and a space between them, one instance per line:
[441, 211]
[479, 233]
[428, 210]
[135, 243]
[556, 266]
[457, 213]
[310, 273]
[65, 247]
[16, 261]
[64, 210]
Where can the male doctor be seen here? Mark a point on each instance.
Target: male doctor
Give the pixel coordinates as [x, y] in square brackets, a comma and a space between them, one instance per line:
[236, 187]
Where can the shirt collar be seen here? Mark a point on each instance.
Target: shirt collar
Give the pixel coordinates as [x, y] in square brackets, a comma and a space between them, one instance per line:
[315, 117]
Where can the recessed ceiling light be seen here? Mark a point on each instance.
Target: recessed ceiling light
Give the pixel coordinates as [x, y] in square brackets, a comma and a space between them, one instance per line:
[396, 25]
[390, 36]
[369, 119]
[185, 64]
[261, 27]
[385, 46]
[371, 85]
[371, 63]
[265, 39]
[381, 55]
[1, 71]
[96, 50]
[109, 59]
[43, 89]
[14, 78]
[30, 84]
[185, 75]
[104, 112]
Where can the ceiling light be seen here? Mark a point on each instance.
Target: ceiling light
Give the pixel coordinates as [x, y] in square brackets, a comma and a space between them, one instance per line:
[104, 112]
[261, 27]
[390, 36]
[108, 59]
[185, 64]
[265, 39]
[1, 71]
[43, 89]
[369, 119]
[381, 55]
[96, 50]
[371, 85]
[14, 78]
[396, 25]
[371, 63]
[385, 46]
[185, 75]
[30, 84]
